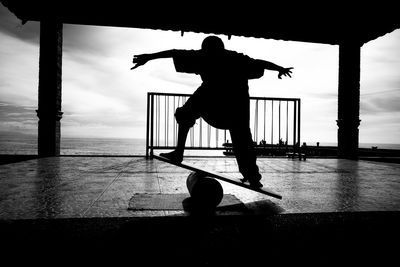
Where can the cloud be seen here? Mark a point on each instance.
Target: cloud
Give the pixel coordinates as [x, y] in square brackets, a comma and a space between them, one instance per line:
[178, 79]
[18, 71]
[381, 102]
[380, 128]
[76, 38]
[12, 26]
[380, 80]
[17, 119]
[90, 41]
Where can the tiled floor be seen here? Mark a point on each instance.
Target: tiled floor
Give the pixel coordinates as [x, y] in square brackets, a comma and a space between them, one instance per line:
[75, 187]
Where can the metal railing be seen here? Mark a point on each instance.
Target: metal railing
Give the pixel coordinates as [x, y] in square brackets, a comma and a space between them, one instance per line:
[275, 123]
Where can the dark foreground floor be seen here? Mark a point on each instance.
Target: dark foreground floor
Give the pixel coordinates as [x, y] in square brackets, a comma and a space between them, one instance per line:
[74, 210]
[315, 239]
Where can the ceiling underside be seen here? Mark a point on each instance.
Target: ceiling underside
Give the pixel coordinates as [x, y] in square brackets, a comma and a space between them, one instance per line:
[328, 24]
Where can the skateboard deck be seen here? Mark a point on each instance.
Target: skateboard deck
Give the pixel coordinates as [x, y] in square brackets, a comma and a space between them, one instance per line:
[222, 177]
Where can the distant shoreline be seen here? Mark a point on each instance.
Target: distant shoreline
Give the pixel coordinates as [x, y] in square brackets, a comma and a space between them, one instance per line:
[26, 144]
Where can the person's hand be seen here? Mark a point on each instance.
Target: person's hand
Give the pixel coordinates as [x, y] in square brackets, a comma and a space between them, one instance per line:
[285, 72]
[140, 60]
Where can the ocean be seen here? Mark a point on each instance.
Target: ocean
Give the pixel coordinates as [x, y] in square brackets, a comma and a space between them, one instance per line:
[27, 145]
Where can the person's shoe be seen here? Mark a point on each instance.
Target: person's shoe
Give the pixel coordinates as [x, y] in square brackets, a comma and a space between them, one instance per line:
[256, 184]
[253, 183]
[243, 180]
[173, 156]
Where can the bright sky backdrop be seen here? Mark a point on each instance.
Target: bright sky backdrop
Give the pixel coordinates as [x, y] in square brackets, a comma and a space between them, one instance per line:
[102, 97]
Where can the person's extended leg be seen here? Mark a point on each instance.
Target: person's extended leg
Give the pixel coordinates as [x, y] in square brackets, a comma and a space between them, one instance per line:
[186, 117]
[177, 154]
[245, 155]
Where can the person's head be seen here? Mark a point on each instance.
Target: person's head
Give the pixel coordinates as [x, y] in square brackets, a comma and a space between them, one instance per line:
[212, 44]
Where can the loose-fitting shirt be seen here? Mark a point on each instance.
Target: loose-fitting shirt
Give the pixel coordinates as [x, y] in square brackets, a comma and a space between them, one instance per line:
[224, 92]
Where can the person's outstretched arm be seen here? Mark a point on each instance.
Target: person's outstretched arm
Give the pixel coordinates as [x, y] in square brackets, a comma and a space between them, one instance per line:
[142, 59]
[271, 66]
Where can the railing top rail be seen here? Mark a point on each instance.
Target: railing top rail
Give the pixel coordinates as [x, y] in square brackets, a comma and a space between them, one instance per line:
[167, 94]
[251, 97]
[274, 98]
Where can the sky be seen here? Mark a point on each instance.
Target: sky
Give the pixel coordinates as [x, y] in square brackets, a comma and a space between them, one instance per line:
[102, 97]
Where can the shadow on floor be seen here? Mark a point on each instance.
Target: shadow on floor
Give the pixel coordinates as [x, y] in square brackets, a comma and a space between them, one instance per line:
[7, 159]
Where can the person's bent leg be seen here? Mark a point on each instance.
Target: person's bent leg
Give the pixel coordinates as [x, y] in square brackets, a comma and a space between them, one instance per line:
[245, 155]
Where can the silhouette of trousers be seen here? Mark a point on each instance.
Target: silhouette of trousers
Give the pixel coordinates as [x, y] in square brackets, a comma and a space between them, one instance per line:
[242, 141]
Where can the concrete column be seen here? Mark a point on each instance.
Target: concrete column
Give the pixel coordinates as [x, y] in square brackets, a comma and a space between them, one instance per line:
[49, 106]
[349, 100]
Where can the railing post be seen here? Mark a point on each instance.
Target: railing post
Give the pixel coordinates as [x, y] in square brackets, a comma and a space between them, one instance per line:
[298, 128]
[151, 125]
[279, 124]
[147, 125]
[294, 126]
[287, 125]
[272, 123]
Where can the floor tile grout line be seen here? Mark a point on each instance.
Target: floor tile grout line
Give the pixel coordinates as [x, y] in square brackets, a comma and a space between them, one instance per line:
[158, 177]
[105, 189]
[158, 182]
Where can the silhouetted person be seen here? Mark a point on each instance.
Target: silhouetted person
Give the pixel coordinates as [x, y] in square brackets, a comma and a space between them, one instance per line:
[222, 99]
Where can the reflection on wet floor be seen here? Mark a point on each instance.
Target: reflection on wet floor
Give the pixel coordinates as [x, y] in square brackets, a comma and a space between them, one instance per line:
[74, 187]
